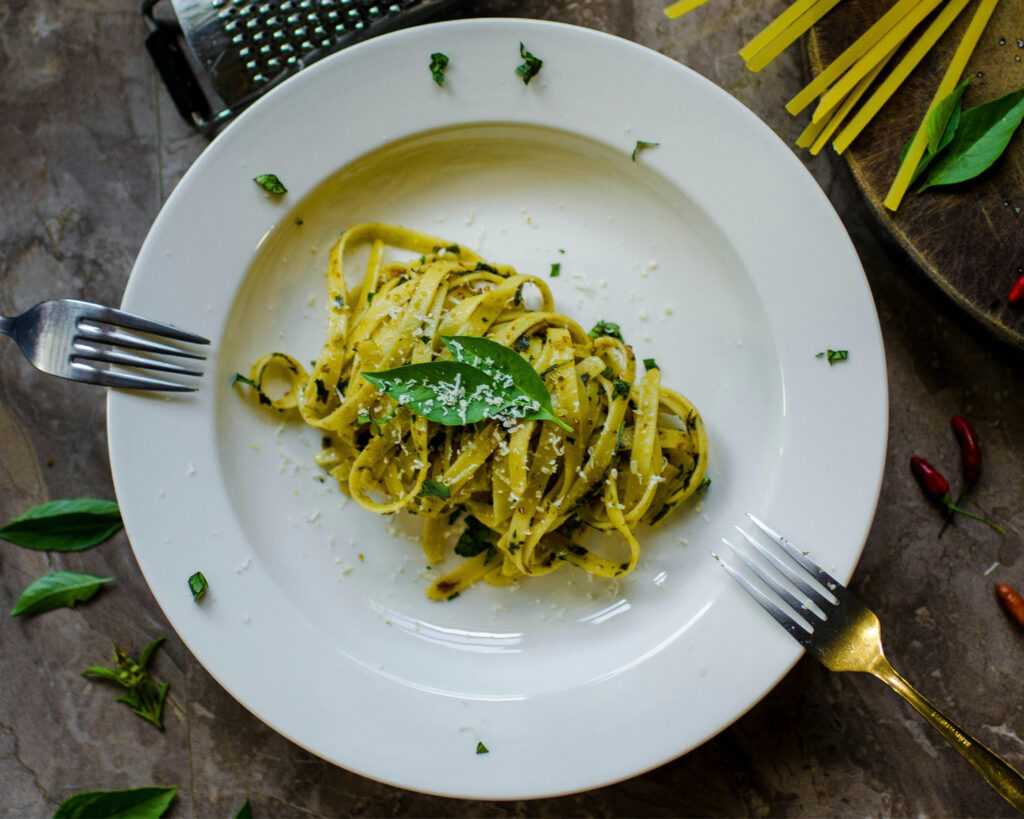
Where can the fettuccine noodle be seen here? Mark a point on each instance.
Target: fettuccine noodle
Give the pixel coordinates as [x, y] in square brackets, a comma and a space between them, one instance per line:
[636, 449]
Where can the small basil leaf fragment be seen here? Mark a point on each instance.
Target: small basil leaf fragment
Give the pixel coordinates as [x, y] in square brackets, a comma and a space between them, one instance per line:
[57, 590]
[640, 146]
[197, 585]
[556, 270]
[481, 748]
[271, 184]
[438, 64]
[435, 489]
[606, 328]
[474, 540]
[651, 364]
[832, 356]
[530, 67]
[64, 525]
[138, 803]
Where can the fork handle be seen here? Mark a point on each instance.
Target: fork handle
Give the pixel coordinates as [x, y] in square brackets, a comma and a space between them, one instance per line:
[1004, 780]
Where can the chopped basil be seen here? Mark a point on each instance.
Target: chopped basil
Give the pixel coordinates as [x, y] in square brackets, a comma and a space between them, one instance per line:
[363, 417]
[556, 270]
[531, 65]
[481, 748]
[474, 540]
[620, 387]
[64, 525]
[321, 391]
[435, 489]
[606, 328]
[651, 364]
[197, 585]
[452, 596]
[704, 484]
[271, 184]
[641, 145]
[57, 590]
[438, 64]
[144, 696]
[339, 302]
[485, 267]
[832, 356]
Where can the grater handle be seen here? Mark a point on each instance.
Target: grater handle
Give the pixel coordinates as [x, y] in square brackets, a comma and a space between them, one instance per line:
[164, 46]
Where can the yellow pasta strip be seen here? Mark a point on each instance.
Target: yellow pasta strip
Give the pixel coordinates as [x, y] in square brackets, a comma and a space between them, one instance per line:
[681, 7]
[791, 34]
[775, 28]
[899, 32]
[902, 70]
[949, 82]
[858, 49]
[851, 100]
[811, 132]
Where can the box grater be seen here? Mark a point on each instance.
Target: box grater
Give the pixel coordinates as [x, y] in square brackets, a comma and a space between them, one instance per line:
[217, 56]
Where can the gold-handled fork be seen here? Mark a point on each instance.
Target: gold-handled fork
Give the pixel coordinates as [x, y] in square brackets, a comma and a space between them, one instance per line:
[843, 634]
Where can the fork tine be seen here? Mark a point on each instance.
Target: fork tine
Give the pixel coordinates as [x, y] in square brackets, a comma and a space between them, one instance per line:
[90, 352]
[818, 573]
[798, 632]
[129, 381]
[798, 605]
[794, 576]
[111, 315]
[121, 339]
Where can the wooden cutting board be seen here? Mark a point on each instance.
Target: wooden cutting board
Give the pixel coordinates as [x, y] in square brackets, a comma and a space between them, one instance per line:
[968, 238]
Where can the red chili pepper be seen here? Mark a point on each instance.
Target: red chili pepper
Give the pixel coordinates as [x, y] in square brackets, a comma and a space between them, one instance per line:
[934, 483]
[1017, 291]
[970, 449]
[1012, 602]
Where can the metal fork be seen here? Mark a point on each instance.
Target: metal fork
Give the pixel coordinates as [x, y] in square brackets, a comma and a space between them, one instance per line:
[843, 634]
[82, 341]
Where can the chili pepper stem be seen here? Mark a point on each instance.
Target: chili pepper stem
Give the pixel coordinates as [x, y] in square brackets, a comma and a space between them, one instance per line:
[949, 512]
[952, 507]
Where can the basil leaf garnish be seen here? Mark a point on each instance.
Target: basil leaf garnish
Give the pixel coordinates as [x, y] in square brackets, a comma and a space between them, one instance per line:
[509, 369]
[271, 184]
[606, 328]
[64, 525]
[197, 585]
[531, 65]
[474, 540]
[138, 803]
[435, 489]
[487, 380]
[982, 136]
[438, 63]
[57, 590]
[641, 145]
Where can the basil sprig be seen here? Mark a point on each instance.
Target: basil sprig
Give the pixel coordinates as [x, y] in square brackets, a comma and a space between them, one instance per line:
[138, 803]
[64, 525]
[485, 380]
[144, 696]
[962, 144]
[57, 590]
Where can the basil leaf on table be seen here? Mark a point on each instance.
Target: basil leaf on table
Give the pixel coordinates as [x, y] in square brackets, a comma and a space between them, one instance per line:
[138, 803]
[144, 696]
[982, 136]
[941, 126]
[64, 525]
[57, 590]
[244, 812]
[504, 363]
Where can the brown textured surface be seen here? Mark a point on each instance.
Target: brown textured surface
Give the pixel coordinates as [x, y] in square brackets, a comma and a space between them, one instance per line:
[968, 238]
[92, 146]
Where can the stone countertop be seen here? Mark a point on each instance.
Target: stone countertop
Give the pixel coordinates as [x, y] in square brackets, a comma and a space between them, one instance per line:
[91, 147]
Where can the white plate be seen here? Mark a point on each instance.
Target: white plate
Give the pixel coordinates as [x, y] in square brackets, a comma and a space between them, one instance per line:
[717, 254]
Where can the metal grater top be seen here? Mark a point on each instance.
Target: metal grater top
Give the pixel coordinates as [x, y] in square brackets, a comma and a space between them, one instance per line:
[242, 48]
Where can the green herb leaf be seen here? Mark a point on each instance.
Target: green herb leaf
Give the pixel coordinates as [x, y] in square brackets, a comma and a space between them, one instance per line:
[438, 63]
[435, 489]
[474, 540]
[937, 124]
[606, 328]
[531, 65]
[57, 590]
[144, 696]
[651, 364]
[641, 145]
[832, 356]
[704, 484]
[982, 136]
[138, 803]
[556, 270]
[481, 748]
[64, 525]
[271, 184]
[509, 370]
[244, 812]
[620, 387]
[197, 585]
